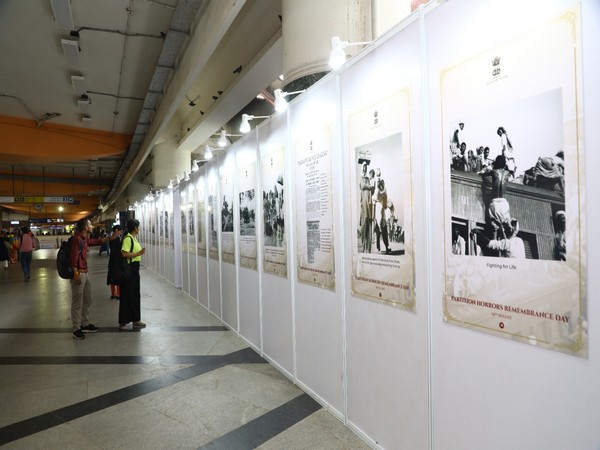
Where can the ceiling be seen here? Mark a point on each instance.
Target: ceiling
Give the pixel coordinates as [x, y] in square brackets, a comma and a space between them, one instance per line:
[148, 68]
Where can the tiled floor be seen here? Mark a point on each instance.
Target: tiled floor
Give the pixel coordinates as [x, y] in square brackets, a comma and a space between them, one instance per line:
[185, 382]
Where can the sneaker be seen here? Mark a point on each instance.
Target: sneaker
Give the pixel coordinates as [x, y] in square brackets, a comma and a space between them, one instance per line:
[89, 328]
[78, 334]
[139, 324]
[123, 327]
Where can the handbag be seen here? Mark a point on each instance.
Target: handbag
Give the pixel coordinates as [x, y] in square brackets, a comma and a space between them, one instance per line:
[120, 270]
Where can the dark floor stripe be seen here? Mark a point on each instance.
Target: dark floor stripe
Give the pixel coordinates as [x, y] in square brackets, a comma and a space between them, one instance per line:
[52, 419]
[267, 426]
[115, 329]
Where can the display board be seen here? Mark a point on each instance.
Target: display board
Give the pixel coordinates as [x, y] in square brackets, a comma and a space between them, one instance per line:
[381, 187]
[201, 215]
[314, 211]
[515, 259]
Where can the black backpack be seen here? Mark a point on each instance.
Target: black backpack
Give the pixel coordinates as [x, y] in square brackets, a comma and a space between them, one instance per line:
[62, 259]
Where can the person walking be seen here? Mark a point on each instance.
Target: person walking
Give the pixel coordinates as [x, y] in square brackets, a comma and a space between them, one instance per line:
[27, 244]
[81, 287]
[130, 309]
[4, 250]
[115, 252]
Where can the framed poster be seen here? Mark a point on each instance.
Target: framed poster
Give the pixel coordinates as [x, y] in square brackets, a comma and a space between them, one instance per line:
[184, 230]
[247, 196]
[227, 228]
[273, 198]
[514, 238]
[213, 231]
[314, 212]
[381, 187]
[201, 215]
[190, 207]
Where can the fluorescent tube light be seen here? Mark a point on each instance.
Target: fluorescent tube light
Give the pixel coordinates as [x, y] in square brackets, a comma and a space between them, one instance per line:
[78, 84]
[71, 50]
[62, 14]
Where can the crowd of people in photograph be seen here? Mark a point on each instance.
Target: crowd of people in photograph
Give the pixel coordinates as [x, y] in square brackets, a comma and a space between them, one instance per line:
[502, 229]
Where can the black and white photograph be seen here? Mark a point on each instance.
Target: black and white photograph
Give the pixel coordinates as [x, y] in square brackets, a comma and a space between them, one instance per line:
[273, 208]
[274, 214]
[508, 181]
[226, 215]
[381, 222]
[247, 213]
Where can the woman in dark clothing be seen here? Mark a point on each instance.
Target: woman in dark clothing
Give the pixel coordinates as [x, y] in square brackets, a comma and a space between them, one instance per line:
[130, 309]
[115, 252]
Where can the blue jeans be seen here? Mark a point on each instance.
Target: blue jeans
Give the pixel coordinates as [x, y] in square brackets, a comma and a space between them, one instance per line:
[26, 263]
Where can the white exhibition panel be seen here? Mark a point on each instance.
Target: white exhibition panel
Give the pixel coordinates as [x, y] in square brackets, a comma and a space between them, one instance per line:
[387, 370]
[496, 393]
[276, 291]
[229, 286]
[202, 256]
[214, 266]
[185, 267]
[174, 272]
[318, 311]
[249, 295]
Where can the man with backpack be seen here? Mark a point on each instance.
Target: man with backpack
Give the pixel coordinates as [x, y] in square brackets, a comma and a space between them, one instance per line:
[81, 287]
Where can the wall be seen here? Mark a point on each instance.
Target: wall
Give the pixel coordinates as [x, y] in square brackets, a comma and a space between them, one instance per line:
[402, 377]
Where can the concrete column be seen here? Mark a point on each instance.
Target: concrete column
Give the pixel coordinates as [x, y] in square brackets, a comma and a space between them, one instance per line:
[168, 161]
[307, 28]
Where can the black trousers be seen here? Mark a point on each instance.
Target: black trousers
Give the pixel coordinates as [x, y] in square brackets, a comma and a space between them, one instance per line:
[130, 309]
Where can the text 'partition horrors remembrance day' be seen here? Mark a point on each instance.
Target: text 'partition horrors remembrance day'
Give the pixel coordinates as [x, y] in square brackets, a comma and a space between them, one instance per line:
[274, 238]
[314, 214]
[514, 238]
[381, 186]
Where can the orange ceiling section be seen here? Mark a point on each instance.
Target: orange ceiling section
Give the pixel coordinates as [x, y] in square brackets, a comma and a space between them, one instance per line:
[22, 140]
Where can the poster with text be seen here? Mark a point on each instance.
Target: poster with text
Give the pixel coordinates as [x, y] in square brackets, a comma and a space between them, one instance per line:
[274, 237]
[247, 196]
[381, 186]
[183, 212]
[191, 221]
[314, 212]
[213, 218]
[513, 190]
[201, 218]
[227, 228]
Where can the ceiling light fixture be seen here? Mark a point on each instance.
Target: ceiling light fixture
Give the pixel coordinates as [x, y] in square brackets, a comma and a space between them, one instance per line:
[87, 121]
[170, 185]
[280, 102]
[78, 82]
[195, 167]
[62, 14]
[337, 56]
[246, 118]
[71, 49]
[186, 176]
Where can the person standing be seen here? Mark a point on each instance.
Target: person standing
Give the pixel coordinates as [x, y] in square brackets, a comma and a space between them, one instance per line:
[130, 309]
[27, 244]
[81, 287]
[115, 252]
[4, 251]
[366, 210]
